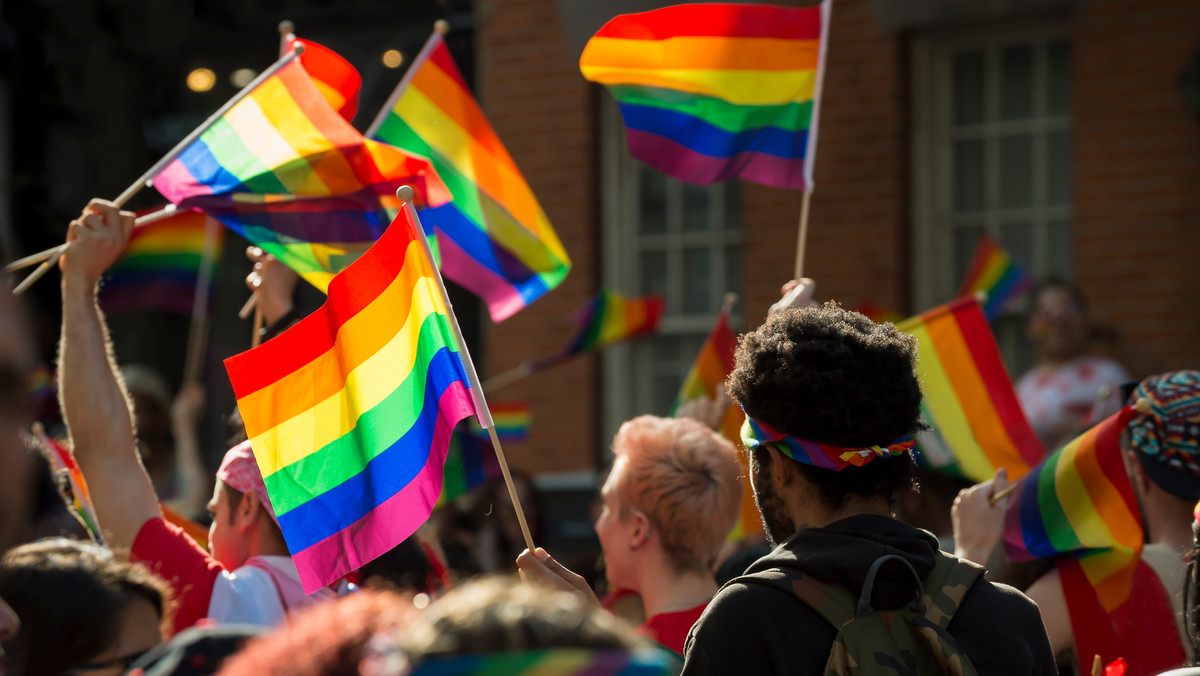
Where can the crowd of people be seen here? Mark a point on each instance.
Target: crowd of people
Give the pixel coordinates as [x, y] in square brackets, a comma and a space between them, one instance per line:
[855, 571]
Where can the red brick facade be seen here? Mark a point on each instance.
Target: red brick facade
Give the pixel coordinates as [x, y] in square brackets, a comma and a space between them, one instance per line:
[1136, 168]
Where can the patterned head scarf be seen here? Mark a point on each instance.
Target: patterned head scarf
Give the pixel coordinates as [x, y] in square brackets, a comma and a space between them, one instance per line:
[239, 470]
[1166, 431]
[815, 453]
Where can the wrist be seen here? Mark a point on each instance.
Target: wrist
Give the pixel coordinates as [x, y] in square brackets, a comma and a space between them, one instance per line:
[274, 310]
[76, 283]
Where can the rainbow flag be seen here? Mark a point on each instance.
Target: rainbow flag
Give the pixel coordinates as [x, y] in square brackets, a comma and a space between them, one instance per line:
[470, 461]
[993, 271]
[350, 411]
[161, 265]
[978, 425]
[288, 173]
[711, 92]
[512, 419]
[710, 370]
[337, 80]
[494, 239]
[611, 318]
[552, 662]
[63, 460]
[1080, 501]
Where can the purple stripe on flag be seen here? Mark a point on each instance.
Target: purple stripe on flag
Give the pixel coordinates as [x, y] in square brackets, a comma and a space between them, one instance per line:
[688, 165]
[502, 298]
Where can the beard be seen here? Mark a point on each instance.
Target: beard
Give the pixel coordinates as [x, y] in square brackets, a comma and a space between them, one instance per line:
[777, 522]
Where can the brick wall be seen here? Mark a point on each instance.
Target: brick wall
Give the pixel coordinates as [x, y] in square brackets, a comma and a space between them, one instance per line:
[1137, 174]
[543, 110]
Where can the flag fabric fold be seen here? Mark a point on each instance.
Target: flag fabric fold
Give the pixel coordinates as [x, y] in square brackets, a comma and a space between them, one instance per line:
[493, 236]
[993, 272]
[337, 80]
[161, 265]
[285, 171]
[977, 423]
[350, 411]
[711, 92]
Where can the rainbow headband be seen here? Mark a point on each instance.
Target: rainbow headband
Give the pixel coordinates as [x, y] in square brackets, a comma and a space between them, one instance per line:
[835, 458]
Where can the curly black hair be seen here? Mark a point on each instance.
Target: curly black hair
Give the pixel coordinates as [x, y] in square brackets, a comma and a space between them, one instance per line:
[832, 375]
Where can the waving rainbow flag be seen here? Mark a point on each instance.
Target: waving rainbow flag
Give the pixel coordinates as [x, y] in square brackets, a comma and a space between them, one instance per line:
[63, 461]
[993, 271]
[711, 92]
[350, 411]
[336, 79]
[161, 265]
[493, 236]
[611, 318]
[978, 425]
[288, 173]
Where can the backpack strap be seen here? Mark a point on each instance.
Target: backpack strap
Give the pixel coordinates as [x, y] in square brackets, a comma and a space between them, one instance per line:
[946, 586]
[834, 603]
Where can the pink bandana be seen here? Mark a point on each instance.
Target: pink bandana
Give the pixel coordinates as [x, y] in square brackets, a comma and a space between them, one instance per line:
[239, 470]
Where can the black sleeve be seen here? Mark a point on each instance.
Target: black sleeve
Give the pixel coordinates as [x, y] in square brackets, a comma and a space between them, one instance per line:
[1001, 631]
[752, 629]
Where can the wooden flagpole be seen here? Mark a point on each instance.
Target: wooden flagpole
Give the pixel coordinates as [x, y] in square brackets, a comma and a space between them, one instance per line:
[803, 235]
[198, 330]
[405, 193]
[151, 173]
[34, 259]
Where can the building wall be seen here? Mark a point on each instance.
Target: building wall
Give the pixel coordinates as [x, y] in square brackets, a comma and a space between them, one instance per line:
[1136, 189]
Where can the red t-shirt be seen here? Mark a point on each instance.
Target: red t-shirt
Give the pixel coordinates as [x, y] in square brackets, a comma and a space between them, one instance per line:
[191, 572]
[670, 630]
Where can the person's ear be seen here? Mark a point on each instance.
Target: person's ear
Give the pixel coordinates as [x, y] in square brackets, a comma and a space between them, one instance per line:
[641, 529]
[1137, 474]
[247, 511]
[783, 470]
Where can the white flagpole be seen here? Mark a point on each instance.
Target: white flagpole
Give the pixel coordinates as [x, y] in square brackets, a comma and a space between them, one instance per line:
[405, 193]
[440, 28]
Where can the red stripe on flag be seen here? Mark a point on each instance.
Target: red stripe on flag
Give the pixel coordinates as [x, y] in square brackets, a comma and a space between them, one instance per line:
[717, 21]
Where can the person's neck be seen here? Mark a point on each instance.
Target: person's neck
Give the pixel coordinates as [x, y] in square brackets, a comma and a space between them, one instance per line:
[1168, 522]
[665, 590]
[809, 515]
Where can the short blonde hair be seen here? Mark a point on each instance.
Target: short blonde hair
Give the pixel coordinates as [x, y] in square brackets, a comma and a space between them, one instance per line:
[685, 478]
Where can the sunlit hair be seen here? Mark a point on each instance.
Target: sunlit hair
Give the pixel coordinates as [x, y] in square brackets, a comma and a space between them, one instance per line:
[684, 477]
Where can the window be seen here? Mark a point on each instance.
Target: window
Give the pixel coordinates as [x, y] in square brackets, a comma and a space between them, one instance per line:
[992, 154]
[662, 236]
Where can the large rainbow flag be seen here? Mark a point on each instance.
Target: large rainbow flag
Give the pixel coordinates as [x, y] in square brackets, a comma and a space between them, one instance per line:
[336, 79]
[288, 173]
[711, 92]
[494, 238]
[161, 265]
[708, 372]
[993, 272]
[1079, 506]
[350, 411]
[978, 425]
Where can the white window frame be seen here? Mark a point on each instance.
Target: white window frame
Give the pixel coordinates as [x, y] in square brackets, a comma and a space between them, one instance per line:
[621, 244]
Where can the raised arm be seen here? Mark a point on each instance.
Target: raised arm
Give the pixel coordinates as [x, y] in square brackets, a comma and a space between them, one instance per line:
[94, 403]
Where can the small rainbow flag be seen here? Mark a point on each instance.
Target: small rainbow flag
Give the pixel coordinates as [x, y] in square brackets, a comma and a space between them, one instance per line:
[552, 662]
[978, 425]
[63, 460]
[711, 92]
[337, 80]
[161, 266]
[494, 239]
[512, 419]
[710, 370]
[993, 272]
[350, 411]
[611, 318]
[285, 171]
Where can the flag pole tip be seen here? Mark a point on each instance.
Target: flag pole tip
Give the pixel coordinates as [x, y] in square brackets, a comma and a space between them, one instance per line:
[298, 47]
[730, 299]
[405, 193]
[286, 27]
[981, 296]
[442, 26]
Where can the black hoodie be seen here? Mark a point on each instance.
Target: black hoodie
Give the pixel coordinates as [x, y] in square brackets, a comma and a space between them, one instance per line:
[755, 629]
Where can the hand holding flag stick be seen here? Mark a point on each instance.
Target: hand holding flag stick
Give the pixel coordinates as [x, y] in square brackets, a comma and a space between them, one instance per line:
[151, 173]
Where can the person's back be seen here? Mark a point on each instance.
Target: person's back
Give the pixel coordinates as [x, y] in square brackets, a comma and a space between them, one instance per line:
[832, 401]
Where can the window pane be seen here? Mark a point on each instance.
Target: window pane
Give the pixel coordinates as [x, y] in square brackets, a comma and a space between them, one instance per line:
[1058, 152]
[1017, 239]
[968, 173]
[733, 269]
[966, 238]
[653, 207]
[968, 76]
[1059, 81]
[696, 212]
[1016, 171]
[652, 268]
[697, 298]
[1060, 249]
[1016, 82]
